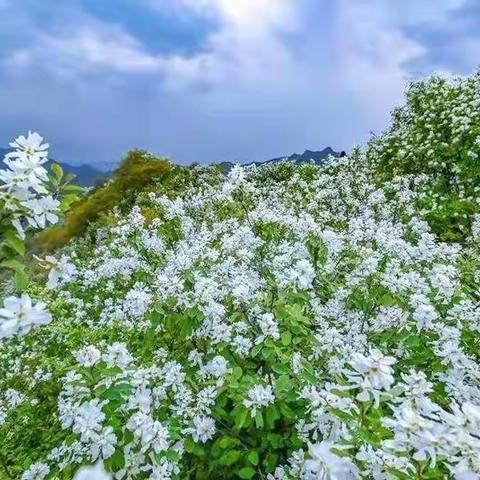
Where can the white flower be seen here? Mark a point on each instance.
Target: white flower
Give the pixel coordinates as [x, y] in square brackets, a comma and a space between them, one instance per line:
[88, 356]
[217, 367]
[203, 429]
[296, 363]
[141, 399]
[463, 472]
[150, 433]
[103, 444]
[117, 355]
[19, 182]
[19, 315]
[424, 313]
[17, 224]
[3, 416]
[304, 273]
[96, 472]
[164, 470]
[325, 465]
[278, 474]
[14, 398]
[25, 166]
[269, 327]
[38, 471]
[29, 149]
[257, 397]
[59, 270]
[371, 374]
[42, 210]
[88, 420]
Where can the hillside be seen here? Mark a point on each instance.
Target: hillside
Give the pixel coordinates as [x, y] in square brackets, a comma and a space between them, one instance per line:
[296, 321]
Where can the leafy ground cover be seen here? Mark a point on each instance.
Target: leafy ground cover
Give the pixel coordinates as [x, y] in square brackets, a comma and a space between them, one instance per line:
[282, 322]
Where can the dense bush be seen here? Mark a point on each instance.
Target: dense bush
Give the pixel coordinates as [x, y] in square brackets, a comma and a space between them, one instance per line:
[283, 322]
[437, 135]
[137, 171]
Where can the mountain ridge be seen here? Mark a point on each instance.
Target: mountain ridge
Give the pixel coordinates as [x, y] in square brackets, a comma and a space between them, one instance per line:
[318, 157]
[87, 176]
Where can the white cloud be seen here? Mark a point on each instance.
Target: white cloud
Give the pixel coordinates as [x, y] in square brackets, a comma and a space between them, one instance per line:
[249, 15]
[86, 49]
[272, 77]
[244, 44]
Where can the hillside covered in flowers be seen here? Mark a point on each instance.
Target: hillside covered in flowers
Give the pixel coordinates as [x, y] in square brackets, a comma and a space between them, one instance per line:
[283, 322]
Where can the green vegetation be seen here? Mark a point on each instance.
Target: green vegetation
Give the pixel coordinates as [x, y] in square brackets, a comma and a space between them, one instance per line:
[288, 322]
[137, 171]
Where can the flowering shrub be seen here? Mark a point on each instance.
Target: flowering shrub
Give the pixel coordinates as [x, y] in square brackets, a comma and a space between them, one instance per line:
[30, 199]
[437, 135]
[283, 322]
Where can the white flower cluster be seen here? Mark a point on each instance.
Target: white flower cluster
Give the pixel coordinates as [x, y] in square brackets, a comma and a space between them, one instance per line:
[23, 184]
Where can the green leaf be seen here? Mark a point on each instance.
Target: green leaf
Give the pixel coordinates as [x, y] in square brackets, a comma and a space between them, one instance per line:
[15, 242]
[226, 442]
[67, 201]
[193, 448]
[283, 384]
[116, 461]
[246, 472]
[287, 412]
[241, 418]
[230, 457]
[252, 457]
[172, 455]
[73, 189]
[256, 349]
[286, 338]
[271, 462]
[237, 373]
[13, 264]
[267, 352]
[21, 281]
[57, 171]
[117, 392]
[68, 178]
[281, 368]
[272, 415]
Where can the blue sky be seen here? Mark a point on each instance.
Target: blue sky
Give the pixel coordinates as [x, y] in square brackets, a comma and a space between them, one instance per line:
[212, 80]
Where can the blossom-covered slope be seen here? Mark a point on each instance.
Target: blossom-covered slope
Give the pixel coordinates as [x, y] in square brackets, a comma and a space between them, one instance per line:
[282, 322]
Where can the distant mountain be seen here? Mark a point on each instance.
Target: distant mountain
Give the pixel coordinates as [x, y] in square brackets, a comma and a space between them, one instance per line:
[308, 156]
[317, 157]
[85, 175]
[88, 176]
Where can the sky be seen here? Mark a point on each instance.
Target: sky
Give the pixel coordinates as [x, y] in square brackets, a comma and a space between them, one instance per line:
[214, 80]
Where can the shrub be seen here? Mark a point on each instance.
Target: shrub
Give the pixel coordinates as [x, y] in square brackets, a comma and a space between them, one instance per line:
[138, 171]
[437, 135]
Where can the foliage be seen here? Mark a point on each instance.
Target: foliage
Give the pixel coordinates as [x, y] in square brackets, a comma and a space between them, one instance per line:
[283, 322]
[138, 171]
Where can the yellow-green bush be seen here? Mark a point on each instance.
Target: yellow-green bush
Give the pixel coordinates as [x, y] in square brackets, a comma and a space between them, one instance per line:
[138, 171]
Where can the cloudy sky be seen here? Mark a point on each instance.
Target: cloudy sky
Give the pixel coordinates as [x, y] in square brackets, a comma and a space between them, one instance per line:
[210, 80]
